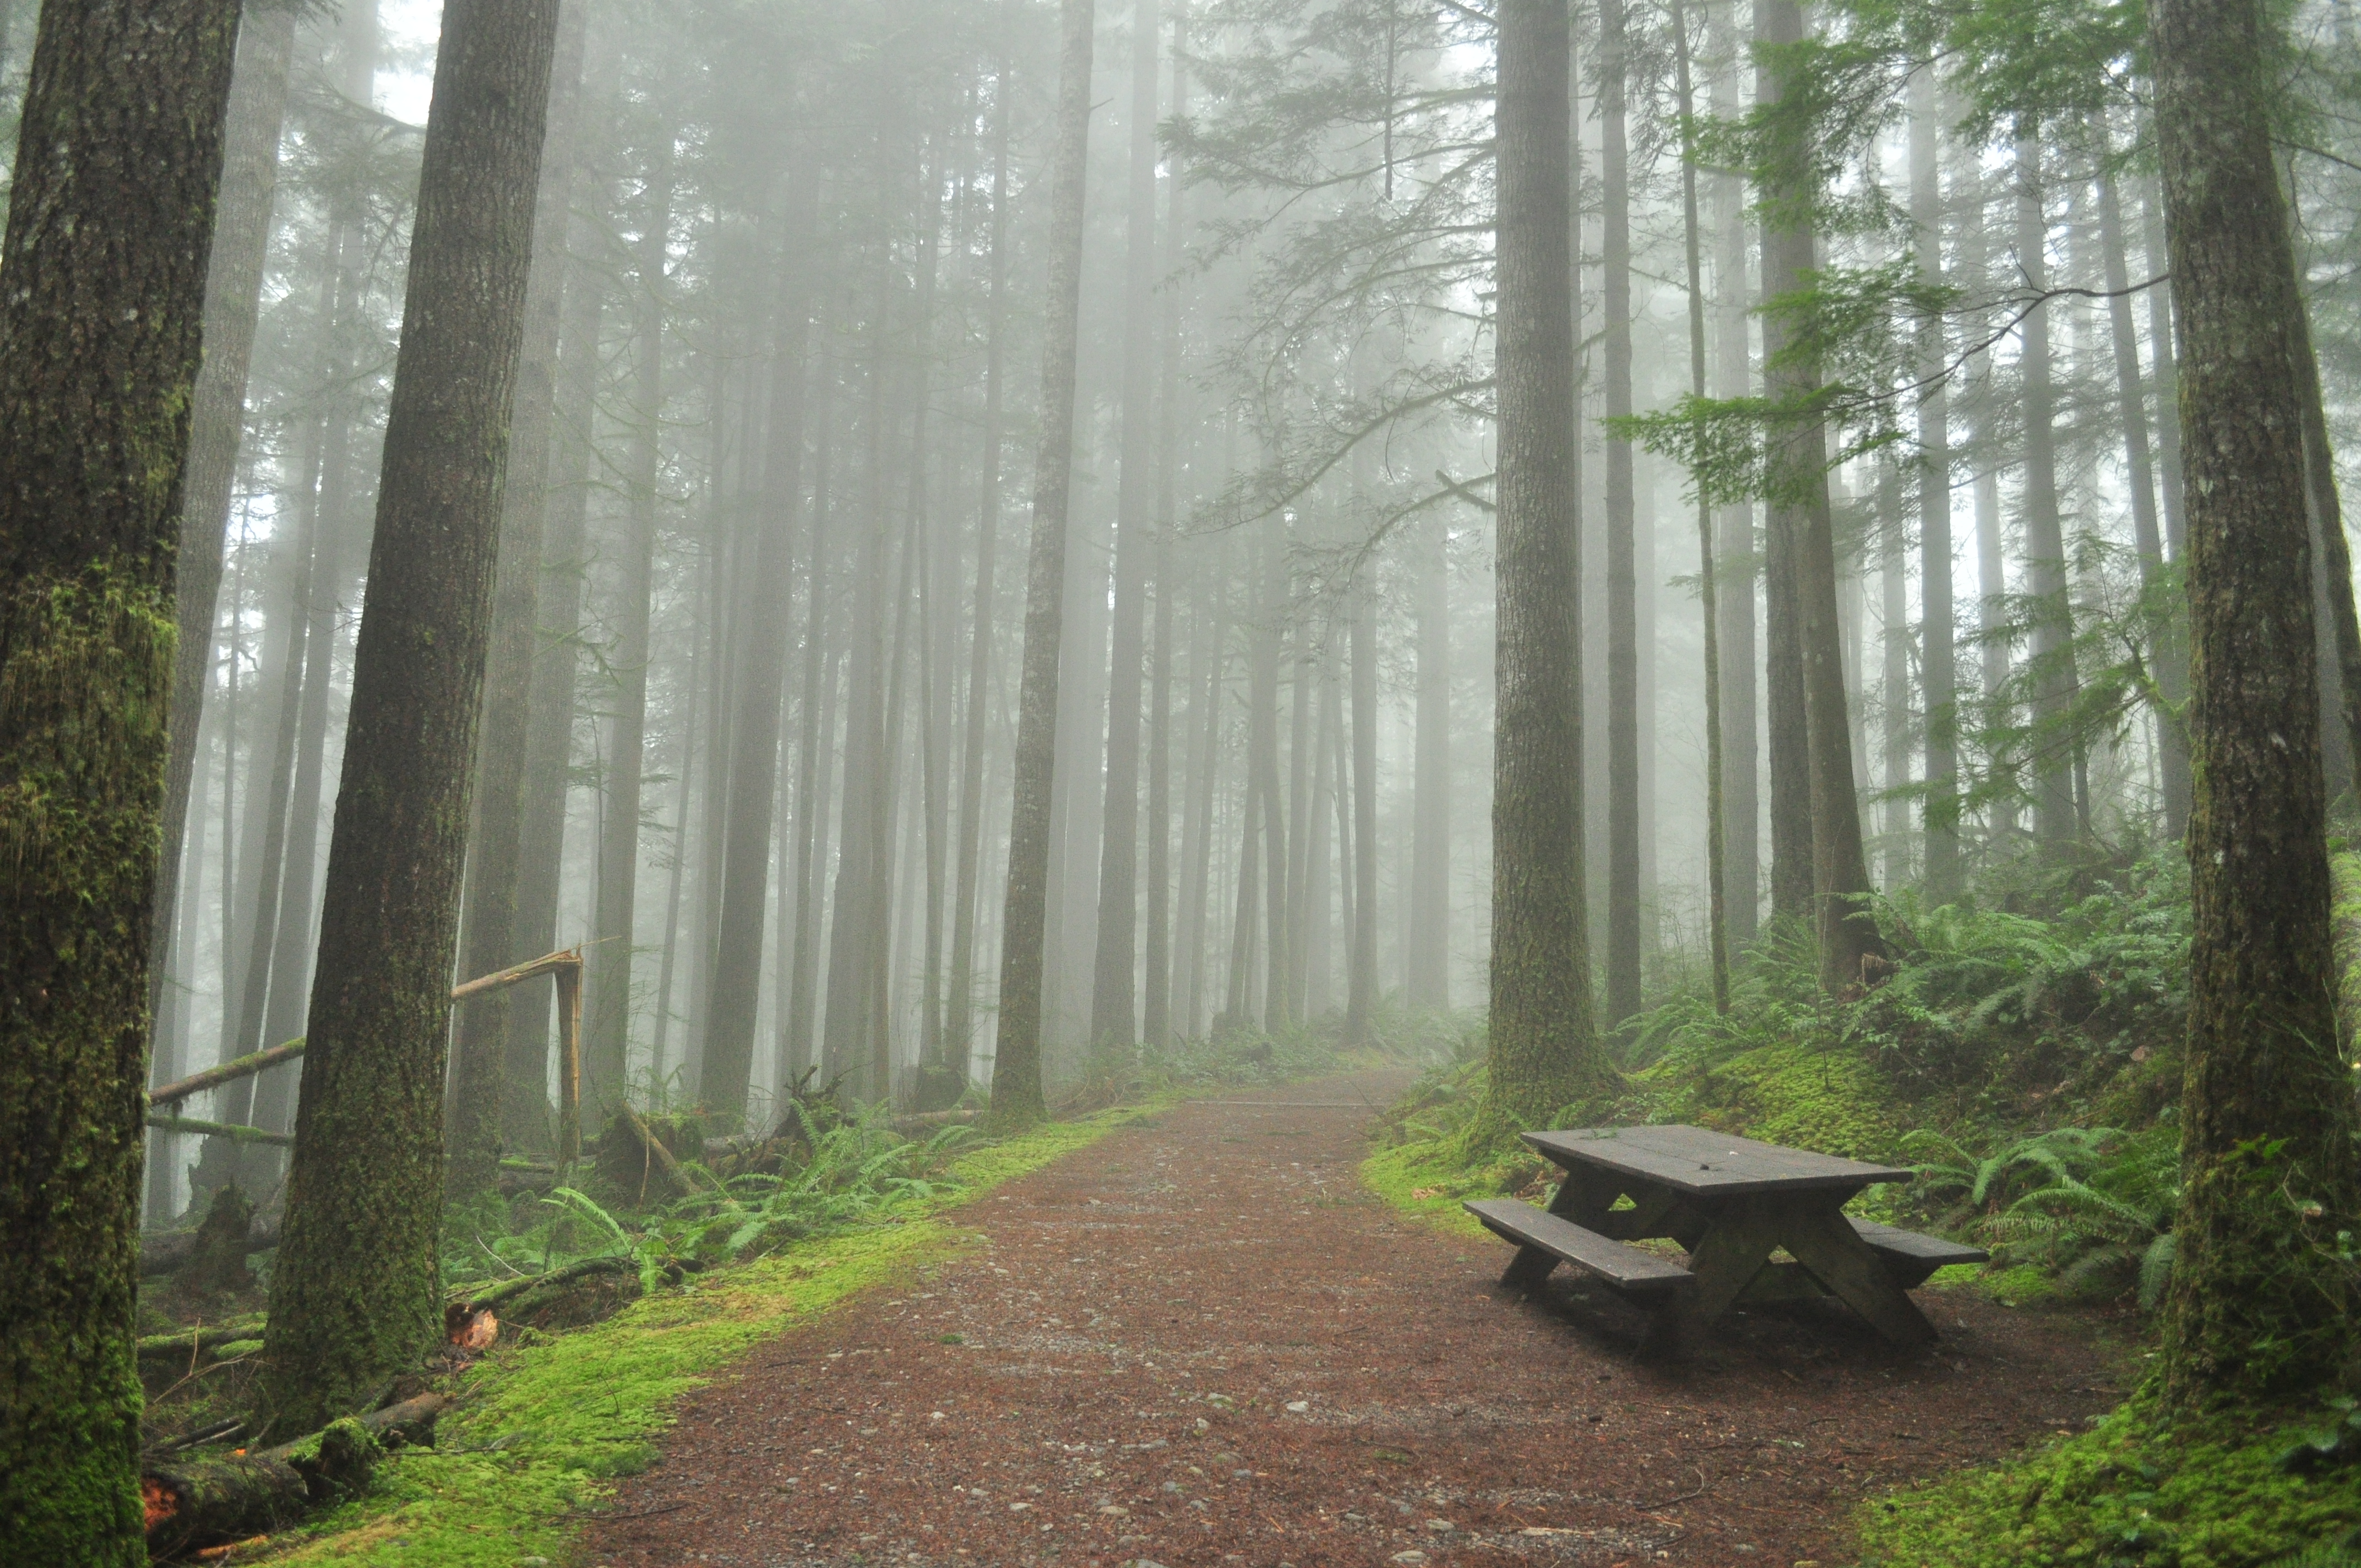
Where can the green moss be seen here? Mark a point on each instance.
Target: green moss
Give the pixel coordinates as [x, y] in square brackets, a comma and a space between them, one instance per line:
[2021, 1286]
[2132, 1494]
[1426, 1182]
[1804, 1096]
[546, 1425]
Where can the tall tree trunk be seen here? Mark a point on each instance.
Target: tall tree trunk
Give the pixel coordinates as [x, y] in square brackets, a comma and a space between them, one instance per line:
[2340, 654]
[1894, 679]
[1622, 603]
[1262, 764]
[754, 737]
[1430, 890]
[1361, 987]
[815, 748]
[1017, 1098]
[477, 1119]
[1302, 742]
[1937, 659]
[2258, 1303]
[1317, 904]
[1114, 1013]
[248, 189]
[118, 155]
[1155, 1000]
[1205, 661]
[1733, 377]
[852, 957]
[959, 1025]
[356, 1293]
[607, 1032]
[2053, 643]
[1544, 1048]
[549, 735]
[1845, 926]
[1709, 585]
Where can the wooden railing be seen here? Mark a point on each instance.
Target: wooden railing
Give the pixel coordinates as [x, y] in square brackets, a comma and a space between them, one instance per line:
[565, 966]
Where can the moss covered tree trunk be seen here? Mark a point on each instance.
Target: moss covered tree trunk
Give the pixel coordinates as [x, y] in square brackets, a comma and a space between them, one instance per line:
[2256, 1303]
[1016, 1072]
[355, 1297]
[109, 223]
[1544, 1048]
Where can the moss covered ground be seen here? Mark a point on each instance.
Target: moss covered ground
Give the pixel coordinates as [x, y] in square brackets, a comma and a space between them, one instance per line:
[2235, 1491]
[545, 1424]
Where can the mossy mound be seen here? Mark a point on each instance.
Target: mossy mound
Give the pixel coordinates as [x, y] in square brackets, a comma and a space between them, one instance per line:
[2135, 1492]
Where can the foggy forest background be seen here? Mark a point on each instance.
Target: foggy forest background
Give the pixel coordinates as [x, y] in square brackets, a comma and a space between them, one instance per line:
[780, 365]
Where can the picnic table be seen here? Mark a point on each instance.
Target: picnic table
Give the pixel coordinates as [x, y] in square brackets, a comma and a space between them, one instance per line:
[1731, 1203]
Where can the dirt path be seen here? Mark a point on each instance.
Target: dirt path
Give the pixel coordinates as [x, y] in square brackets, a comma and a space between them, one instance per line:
[1200, 1341]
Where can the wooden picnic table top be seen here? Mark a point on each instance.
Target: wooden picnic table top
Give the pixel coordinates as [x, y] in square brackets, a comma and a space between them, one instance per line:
[1704, 1163]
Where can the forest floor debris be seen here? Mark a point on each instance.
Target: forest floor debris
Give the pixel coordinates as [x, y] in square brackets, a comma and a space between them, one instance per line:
[1203, 1340]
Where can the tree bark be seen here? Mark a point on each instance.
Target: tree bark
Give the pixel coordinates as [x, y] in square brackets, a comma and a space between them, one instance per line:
[248, 191]
[1937, 659]
[1845, 926]
[607, 1034]
[1739, 558]
[1430, 889]
[754, 738]
[959, 1025]
[2055, 818]
[119, 152]
[550, 710]
[1361, 985]
[1017, 1097]
[477, 1118]
[1622, 591]
[1544, 1048]
[2257, 1303]
[354, 1294]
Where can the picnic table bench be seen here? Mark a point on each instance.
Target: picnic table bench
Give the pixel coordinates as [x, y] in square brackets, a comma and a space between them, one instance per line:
[1731, 1203]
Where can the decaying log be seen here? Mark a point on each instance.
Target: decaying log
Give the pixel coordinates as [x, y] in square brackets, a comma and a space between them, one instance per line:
[195, 1503]
[193, 1341]
[582, 1268]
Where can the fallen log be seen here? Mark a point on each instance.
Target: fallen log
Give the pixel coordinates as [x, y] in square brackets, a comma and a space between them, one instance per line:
[195, 1503]
[212, 1077]
[232, 1131]
[925, 1120]
[193, 1342]
[162, 1252]
[581, 1268]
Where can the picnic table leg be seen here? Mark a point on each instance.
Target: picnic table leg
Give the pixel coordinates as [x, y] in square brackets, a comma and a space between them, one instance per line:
[1584, 1196]
[1735, 1246]
[1826, 1243]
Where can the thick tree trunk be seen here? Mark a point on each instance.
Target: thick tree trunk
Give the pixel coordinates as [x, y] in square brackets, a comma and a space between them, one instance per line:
[754, 737]
[2257, 1303]
[355, 1295]
[1544, 1048]
[1937, 659]
[248, 189]
[119, 152]
[1262, 769]
[1733, 377]
[1622, 602]
[478, 1117]
[1361, 985]
[1205, 668]
[1844, 924]
[1017, 1098]
[607, 1032]
[2340, 651]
